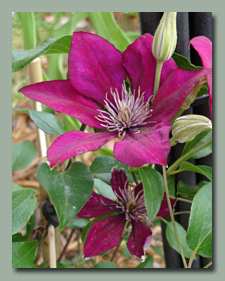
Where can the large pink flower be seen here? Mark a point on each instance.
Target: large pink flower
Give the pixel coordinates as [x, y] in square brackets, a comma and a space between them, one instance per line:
[105, 234]
[96, 94]
[204, 48]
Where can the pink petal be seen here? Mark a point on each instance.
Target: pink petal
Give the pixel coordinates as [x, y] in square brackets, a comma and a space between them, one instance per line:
[148, 146]
[140, 64]
[164, 209]
[119, 181]
[139, 240]
[173, 92]
[103, 235]
[204, 47]
[62, 97]
[95, 66]
[76, 142]
[97, 206]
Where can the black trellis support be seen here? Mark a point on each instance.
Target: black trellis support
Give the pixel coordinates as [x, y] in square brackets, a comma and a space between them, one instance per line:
[189, 25]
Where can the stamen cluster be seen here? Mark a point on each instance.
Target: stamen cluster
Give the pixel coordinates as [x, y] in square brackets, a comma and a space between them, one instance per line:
[133, 205]
[128, 112]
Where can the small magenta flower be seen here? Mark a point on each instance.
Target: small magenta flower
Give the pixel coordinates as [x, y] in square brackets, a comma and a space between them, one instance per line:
[105, 234]
[204, 48]
[96, 94]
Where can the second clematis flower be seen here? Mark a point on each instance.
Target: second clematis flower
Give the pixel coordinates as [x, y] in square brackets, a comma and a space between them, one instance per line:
[105, 234]
[97, 95]
[204, 48]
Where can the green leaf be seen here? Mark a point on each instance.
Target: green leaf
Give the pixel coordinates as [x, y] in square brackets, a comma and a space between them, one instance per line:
[77, 222]
[153, 190]
[71, 123]
[198, 141]
[106, 27]
[16, 186]
[22, 155]
[23, 254]
[171, 185]
[102, 165]
[158, 250]
[18, 237]
[183, 63]
[201, 169]
[23, 205]
[106, 264]
[170, 235]
[199, 234]
[47, 122]
[189, 191]
[21, 58]
[148, 263]
[68, 191]
[104, 189]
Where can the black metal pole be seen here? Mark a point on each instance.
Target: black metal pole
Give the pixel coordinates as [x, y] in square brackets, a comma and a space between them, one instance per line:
[189, 25]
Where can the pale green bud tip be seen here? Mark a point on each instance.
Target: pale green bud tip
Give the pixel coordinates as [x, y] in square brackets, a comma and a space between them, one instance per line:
[185, 128]
[165, 38]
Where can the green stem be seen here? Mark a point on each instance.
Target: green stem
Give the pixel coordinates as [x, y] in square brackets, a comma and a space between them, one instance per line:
[29, 29]
[162, 219]
[184, 200]
[208, 264]
[182, 212]
[172, 217]
[179, 161]
[157, 77]
[191, 259]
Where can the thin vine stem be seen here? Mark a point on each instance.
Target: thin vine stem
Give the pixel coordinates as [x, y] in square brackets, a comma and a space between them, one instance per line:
[184, 200]
[208, 264]
[179, 161]
[191, 259]
[172, 217]
[157, 78]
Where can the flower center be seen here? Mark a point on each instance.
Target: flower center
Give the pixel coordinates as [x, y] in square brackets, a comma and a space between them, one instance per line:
[132, 205]
[128, 112]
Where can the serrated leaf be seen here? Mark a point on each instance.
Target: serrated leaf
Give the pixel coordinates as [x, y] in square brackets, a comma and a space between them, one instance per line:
[68, 191]
[23, 254]
[23, 205]
[47, 122]
[148, 263]
[199, 234]
[22, 155]
[153, 190]
[170, 235]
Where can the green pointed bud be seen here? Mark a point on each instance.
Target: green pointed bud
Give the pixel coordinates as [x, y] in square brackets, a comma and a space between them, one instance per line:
[185, 128]
[165, 38]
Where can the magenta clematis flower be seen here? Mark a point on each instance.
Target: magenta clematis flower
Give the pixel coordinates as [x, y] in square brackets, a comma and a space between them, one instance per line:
[204, 48]
[96, 94]
[105, 234]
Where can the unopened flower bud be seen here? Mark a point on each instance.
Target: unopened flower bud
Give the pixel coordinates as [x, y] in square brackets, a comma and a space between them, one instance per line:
[165, 38]
[185, 128]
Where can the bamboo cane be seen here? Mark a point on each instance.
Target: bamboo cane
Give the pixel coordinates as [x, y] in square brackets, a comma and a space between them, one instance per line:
[35, 76]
